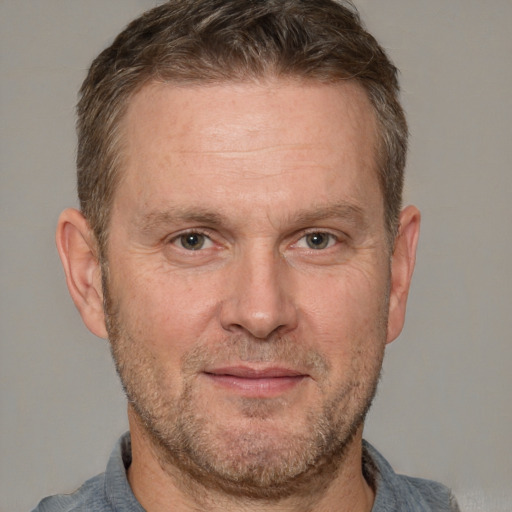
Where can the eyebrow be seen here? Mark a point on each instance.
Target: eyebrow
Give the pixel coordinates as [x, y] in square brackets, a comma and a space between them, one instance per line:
[349, 212]
[155, 219]
[341, 210]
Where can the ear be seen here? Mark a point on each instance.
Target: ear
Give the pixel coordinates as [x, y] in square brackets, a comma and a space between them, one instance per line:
[77, 249]
[402, 266]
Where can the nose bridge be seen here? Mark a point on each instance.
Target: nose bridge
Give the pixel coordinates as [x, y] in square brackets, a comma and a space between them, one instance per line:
[259, 299]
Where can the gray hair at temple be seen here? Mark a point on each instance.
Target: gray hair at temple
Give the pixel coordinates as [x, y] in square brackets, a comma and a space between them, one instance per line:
[217, 41]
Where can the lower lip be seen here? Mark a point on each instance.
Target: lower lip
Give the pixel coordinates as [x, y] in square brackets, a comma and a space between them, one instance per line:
[264, 387]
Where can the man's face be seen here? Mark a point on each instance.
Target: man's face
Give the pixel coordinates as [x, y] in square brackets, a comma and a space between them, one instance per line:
[249, 275]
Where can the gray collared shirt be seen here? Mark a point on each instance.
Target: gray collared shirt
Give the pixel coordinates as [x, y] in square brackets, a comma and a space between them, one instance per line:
[111, 492]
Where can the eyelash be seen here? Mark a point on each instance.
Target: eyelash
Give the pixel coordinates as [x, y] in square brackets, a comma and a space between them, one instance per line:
[332, 239]
[200, 232]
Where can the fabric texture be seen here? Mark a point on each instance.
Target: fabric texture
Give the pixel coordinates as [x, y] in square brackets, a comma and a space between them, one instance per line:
[111, 492]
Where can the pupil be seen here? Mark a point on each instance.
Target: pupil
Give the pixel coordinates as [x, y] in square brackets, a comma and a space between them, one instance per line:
[317, 240]
[192, 241]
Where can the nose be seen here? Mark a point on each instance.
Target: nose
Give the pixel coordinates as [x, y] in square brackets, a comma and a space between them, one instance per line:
[259, 298]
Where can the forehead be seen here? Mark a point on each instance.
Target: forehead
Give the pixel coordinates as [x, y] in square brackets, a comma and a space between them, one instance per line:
[248, 139]
[223, 111]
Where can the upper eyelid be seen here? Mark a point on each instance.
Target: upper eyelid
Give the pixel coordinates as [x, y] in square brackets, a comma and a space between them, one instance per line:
[200, 231]
[338, 235]
[298, 235]
[309, 231]
[174, 240]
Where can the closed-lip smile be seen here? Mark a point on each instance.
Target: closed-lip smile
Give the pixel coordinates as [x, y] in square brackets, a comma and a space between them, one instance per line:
[256, 382]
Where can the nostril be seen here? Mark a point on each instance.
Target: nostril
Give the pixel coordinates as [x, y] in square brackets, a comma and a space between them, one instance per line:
[261, 325]
[258, 300]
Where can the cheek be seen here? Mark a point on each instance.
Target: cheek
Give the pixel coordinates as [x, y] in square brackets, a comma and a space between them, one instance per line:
[166, 310]
[348, 312]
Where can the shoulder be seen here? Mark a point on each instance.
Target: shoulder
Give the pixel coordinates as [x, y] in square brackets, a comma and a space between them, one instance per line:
[107, 492]
[404, 493]
[434, 496]
[89, 497]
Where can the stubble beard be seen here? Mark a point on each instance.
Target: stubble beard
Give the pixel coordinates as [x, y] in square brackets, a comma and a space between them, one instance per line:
[243, 462]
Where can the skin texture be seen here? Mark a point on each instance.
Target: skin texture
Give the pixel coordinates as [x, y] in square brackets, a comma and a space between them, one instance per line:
[251, 291]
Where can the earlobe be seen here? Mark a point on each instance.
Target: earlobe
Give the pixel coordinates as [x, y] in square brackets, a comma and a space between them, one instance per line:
[77, 250]
[402, 267]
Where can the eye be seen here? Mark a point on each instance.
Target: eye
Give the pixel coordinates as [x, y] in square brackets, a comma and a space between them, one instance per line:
[193, 241]
[318, 240]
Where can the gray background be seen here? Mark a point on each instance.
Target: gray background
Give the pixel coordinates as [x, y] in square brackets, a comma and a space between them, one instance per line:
[444, 407]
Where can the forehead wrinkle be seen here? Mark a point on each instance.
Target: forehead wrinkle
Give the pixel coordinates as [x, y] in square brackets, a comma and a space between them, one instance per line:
[257, 150]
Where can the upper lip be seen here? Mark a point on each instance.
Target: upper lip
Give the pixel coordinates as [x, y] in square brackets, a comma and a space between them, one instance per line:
[247, 372]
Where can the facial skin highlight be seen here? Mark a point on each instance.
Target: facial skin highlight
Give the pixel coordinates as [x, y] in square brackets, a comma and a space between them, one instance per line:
[250, 288]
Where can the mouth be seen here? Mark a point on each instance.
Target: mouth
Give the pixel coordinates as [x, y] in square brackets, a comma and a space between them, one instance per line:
[256, 382]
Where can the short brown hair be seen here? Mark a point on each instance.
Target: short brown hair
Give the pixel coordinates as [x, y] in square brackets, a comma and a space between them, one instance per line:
[214, 41]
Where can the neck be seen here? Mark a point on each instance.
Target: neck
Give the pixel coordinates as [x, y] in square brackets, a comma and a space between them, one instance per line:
[157, 484]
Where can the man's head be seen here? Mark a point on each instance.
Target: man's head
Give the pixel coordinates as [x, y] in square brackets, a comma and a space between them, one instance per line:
[212, 42]
[249, 170]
